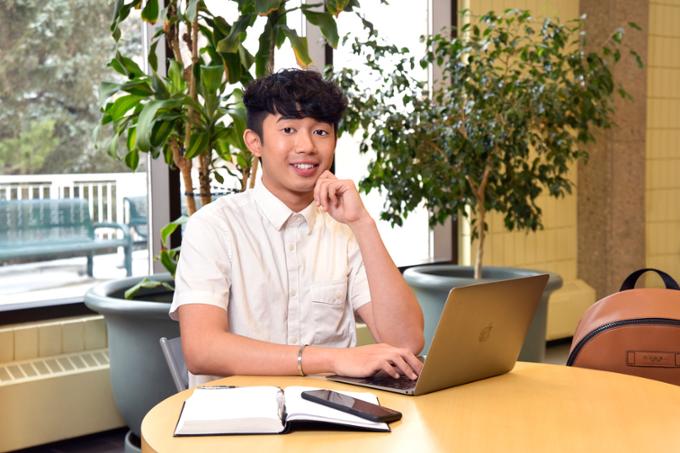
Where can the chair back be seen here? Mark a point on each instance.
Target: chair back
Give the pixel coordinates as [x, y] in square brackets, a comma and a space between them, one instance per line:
[172, 351]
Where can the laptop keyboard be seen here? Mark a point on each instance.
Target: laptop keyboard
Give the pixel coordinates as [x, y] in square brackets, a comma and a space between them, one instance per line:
[403, 383]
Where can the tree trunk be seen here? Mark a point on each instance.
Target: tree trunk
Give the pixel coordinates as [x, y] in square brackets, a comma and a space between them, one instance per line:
[481, 213]
[184, 167]
[480, 195]
[204, 179]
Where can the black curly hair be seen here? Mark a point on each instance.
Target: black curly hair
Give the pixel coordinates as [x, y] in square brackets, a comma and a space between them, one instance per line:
[294, 93]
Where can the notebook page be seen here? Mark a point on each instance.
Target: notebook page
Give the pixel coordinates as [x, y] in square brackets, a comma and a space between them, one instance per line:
[232, 410]
[300, 409]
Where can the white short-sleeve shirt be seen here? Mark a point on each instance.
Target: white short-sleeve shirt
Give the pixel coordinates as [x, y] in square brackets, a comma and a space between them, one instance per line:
[281, 276]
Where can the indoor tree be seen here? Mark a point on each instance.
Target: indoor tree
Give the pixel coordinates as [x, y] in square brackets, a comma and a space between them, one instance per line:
[517, 104]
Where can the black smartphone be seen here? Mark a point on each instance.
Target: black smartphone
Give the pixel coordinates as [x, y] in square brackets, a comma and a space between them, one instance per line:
[353, 406]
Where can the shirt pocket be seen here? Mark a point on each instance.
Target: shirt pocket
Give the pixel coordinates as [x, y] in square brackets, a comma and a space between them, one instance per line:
[330, 314]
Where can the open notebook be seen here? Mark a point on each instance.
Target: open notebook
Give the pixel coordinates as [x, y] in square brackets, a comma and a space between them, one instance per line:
[263, 410]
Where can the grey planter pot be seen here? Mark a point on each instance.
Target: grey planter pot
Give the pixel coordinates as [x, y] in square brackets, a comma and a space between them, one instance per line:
[139, 375]
[432, 283]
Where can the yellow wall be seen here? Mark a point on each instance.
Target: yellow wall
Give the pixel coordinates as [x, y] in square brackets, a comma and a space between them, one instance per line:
[663, 138]
[554, 248]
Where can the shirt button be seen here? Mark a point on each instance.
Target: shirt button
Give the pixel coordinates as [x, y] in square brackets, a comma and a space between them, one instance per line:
[291, 247]
[293, 292]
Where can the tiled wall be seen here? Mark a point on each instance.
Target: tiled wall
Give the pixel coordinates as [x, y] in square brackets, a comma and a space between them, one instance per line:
[663, 138]
[554, 247]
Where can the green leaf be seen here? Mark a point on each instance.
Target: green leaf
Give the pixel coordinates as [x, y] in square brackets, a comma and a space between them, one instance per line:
[232, 63]
[266, 7]
[245, 57]
[211, 78]
[177, 82]
[120, 12]
[299, 46]
[146, 283]
[167, 260]
[112, 148]
[262, 55]
[152, 58]
[159, 87]
[335, 7]
[150, 11]
[147, 118]
[122, 105]
[107, 89]
[140, 87]
[132, 159]
[197, 144]
[327, 25]
[126, 66]
[132, 138]
[161, 132]
[237, 35]
[170, 228]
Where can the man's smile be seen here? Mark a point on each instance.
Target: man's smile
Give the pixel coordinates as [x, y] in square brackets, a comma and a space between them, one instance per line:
[305, 169]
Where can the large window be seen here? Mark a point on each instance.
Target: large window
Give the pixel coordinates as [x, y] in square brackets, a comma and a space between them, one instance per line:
[54, 57]
[402, 24]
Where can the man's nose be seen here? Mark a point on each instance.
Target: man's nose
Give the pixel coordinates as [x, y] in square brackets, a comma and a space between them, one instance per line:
[305, 143]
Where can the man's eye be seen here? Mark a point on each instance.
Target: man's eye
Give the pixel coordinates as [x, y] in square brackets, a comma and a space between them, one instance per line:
[321, 132]
[287, 130]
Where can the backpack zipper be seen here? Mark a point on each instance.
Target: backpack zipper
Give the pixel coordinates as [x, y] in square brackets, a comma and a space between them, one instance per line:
[611, 325]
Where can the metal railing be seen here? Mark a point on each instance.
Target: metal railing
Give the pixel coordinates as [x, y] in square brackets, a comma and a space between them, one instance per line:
[104, 192]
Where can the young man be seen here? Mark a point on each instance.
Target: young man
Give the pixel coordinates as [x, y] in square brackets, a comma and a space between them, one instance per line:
[270, 280]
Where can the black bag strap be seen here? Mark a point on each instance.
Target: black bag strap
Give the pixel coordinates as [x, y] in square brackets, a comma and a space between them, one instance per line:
[629, 282]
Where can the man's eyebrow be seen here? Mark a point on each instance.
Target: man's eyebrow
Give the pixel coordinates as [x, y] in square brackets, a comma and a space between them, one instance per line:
[283, 118]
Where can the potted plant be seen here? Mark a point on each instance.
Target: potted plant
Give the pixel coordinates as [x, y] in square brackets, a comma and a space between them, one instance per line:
[191, 114]
[516, 105]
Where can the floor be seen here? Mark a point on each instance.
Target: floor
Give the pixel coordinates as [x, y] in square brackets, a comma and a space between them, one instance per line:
[105, 442]
[113, 441]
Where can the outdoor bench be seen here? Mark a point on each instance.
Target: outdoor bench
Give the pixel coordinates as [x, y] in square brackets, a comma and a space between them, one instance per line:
[137, 217]
[40, 228]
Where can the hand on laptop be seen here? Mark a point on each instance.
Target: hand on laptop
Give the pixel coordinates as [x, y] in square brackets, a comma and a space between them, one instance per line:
[367, 360]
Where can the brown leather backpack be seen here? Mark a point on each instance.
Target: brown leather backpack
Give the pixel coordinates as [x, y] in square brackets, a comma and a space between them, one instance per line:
[634, 331]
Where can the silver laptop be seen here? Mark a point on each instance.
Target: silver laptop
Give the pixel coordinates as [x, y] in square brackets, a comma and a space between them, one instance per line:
[480, 333]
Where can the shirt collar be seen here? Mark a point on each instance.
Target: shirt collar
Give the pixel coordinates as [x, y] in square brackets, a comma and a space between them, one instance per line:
[276, 210]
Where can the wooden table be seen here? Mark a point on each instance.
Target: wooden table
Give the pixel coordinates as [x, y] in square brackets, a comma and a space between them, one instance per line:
[534, 408]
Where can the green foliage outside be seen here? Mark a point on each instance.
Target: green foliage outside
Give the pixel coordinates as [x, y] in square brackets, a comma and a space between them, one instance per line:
[27, 152]
[53, 57]
[517, 105]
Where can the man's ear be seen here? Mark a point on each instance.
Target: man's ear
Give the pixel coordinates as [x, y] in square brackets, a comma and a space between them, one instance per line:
[253, 142]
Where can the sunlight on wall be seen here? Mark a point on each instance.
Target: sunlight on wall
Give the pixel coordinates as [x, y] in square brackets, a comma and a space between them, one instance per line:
[663, 139]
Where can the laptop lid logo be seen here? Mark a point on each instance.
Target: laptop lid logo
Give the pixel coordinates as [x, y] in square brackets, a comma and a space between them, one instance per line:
[485, 333]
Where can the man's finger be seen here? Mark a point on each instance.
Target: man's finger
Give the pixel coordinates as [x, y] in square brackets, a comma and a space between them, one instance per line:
[389, 369]
[414, 362]
[332, 194]
[404, 367]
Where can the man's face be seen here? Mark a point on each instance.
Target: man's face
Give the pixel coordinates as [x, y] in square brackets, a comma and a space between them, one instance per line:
[294, 153]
